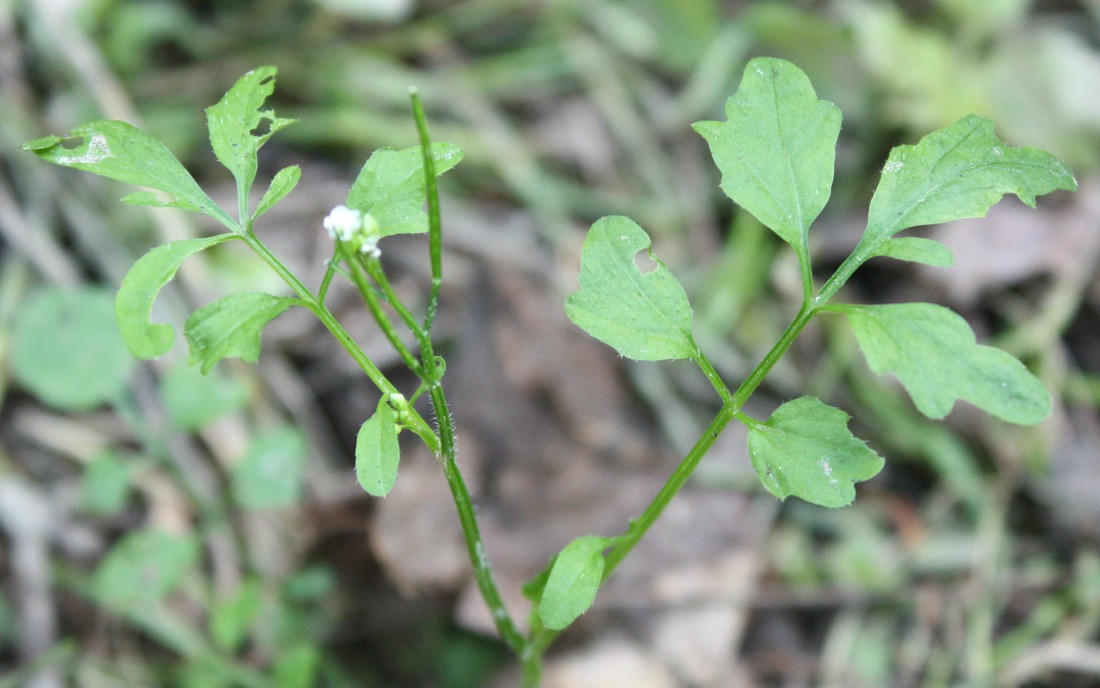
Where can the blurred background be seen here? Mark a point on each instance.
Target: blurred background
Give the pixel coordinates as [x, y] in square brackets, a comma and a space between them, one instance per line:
[161, 528]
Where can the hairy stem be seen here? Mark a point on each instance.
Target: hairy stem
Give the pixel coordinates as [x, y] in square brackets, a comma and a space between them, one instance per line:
[475, 547]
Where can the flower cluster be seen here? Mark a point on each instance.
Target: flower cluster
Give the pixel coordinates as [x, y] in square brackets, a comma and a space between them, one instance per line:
[353, 227]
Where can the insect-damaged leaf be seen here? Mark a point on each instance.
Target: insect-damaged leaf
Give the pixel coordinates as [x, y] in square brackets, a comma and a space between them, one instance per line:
[123, 152]
[777, 149]
[234, 120]
[643, 315]
[805, 449]
[934, 354]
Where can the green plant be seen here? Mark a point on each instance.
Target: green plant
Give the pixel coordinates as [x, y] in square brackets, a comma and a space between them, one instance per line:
[776, 154]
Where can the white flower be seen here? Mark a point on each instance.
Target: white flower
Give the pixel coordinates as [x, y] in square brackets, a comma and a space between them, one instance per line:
[343, 223]
[358, 230]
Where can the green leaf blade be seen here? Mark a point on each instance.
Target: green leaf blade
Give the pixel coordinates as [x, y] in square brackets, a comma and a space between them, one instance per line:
[122, 152]
[916, 250]
[777, 148]
[144, 567]
[283, 183]
[233, 119]
[644, 316]
[391, 187]
[105, 484]
[139, 289]
[66, 349]
[935, 356]
[271, 473]
[958, 172]
[574, 579]
[377, 453]
[232, 327]
[806, 450]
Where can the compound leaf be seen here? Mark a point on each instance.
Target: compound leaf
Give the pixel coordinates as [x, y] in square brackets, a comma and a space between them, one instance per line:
[231, 326]
[777, 149]
[377, 453]
[123, 152]
[234, 120]
[957, 172]
[391, 186]
[574, 579]
[642, 315]
[934, 354]
[139, 290]
[283, 183]
[805, 449]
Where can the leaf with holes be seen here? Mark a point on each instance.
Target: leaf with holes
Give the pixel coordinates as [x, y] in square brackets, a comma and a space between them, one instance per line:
[642, 315]
[235, 120]
[123, 152]
[805, 449]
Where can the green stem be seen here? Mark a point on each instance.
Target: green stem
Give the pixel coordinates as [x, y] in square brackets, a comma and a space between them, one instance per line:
[380, 317]
[435, 233]
[531, 666]
[731, 408]
[805, 315]
[242, 207]
[475, 547]
[326, 281]
[839, 278]
[374, 269]
[807, 271]
[418, 425]
[712, 375]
